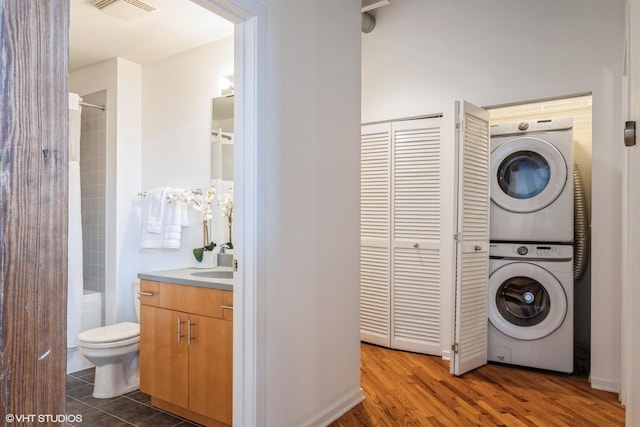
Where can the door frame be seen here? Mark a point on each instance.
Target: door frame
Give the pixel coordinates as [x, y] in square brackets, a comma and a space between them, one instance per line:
[249, 18]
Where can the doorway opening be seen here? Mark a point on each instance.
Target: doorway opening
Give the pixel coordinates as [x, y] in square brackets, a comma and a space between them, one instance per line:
[247, 18]
[579, 108]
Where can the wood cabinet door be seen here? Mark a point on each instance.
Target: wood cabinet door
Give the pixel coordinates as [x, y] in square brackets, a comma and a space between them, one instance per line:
[164, 355]
[210, 367]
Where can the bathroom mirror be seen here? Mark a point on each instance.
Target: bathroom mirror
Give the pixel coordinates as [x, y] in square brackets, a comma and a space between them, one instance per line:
[222, 138]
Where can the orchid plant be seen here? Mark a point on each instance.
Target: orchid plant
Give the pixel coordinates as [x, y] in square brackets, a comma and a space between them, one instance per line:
[201, 202]
[225, 201]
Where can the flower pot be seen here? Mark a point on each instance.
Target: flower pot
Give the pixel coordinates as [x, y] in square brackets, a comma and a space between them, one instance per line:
[208, 260]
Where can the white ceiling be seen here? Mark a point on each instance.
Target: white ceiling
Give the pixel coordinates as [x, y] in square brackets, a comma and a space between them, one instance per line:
[176, 26]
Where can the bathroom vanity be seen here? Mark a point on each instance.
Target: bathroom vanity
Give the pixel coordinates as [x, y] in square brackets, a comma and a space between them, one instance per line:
[186, 336]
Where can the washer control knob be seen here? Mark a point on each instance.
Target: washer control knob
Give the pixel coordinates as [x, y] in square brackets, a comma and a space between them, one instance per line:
[523, 126]
[522, 250]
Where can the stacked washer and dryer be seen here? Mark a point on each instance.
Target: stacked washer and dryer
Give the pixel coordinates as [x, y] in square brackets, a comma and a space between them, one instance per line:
[531, 250]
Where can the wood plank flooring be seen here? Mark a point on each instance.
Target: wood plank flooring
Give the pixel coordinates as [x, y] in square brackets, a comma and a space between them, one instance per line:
[408, 389]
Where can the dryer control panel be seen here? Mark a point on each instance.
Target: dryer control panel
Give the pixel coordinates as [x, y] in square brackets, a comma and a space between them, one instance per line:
[538, 251]
[532, 126]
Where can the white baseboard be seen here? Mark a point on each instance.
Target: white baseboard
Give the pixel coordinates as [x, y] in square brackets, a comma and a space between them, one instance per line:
[341, 407]
[605, 384]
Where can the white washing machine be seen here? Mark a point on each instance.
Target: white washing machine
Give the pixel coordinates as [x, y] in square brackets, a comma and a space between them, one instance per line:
[531, 181]
[531, 305]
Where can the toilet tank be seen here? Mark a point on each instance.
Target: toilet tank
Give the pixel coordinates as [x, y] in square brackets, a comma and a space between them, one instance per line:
[91, 310]
[135, 287]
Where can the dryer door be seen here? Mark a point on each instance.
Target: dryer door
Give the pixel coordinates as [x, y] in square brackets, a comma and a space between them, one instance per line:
[526, 302]
[527, 174]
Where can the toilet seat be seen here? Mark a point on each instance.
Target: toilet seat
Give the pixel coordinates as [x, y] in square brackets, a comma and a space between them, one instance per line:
[117, 335]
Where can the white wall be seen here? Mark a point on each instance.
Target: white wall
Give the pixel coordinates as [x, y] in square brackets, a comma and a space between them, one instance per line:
[176, 133]
[423, 54]
[310, 281]
[121, 80]
[124, 252]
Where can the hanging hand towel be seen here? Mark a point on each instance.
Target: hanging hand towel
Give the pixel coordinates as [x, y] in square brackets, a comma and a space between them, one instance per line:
[155, 205]
[174, 216]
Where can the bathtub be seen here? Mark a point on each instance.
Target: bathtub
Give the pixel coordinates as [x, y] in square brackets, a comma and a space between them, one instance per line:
[91, 318]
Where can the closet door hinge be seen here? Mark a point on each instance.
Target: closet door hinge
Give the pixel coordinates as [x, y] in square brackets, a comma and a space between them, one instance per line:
[455, 348]
[460, 125]
[457, 237]
[235, 264]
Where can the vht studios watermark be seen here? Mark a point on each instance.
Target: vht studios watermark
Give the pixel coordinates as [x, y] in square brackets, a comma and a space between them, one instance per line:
[42, 418]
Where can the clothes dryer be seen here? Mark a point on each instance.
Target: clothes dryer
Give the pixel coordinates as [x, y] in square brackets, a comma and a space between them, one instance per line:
[531, 305]
[531, 181]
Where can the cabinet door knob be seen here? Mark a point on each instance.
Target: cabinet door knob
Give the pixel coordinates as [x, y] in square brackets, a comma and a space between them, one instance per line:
[416, 245]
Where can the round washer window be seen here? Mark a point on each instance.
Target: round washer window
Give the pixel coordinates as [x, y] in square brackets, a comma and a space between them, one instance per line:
[509, 283]
[523, 174]
[523, 301]
[527, 174]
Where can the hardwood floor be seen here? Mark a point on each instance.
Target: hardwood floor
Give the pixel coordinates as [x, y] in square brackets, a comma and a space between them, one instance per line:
[408, 389]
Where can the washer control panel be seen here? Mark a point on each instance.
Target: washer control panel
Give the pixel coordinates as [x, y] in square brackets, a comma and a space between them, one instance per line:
[531, 251]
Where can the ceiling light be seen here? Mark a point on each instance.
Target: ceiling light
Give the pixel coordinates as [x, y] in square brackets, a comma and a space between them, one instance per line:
[373, 4]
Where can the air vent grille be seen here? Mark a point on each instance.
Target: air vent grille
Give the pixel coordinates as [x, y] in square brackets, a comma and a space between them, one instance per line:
[144, 6]
[101, 4]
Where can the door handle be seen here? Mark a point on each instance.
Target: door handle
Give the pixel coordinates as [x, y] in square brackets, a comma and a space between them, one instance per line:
[179, 330]
[189, 337]
[477, 248]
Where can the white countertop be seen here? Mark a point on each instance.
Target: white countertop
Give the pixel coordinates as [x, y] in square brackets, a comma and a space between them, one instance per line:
[184, 276]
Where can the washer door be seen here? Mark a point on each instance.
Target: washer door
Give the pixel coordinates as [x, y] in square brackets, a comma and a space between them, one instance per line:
[527, 174]
[526, 301]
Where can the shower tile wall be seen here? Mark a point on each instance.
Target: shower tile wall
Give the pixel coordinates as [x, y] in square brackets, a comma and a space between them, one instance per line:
[93, 180]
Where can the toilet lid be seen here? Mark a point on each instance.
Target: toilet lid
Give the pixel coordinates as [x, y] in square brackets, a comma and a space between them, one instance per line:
[111, 333]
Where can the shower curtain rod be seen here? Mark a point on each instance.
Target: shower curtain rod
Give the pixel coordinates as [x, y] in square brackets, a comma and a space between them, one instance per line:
[86, 104]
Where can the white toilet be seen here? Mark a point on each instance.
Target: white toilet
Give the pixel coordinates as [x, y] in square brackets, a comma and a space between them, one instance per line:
[114, 351]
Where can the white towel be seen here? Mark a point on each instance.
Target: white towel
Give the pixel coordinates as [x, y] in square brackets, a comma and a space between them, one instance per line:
[174, 216]
[155, 204]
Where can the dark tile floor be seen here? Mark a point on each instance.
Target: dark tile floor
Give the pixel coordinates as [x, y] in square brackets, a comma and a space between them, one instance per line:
[131, 409]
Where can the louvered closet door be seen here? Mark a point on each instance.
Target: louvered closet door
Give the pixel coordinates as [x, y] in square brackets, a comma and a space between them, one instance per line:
[470, 348]
[415, 283]
[375, 208]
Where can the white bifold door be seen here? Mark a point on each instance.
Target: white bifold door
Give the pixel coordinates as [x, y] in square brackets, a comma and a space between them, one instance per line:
[402, 230]
[469, 349]
[400, 235]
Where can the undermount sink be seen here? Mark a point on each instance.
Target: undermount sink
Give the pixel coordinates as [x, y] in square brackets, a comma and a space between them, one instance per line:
[213, 274]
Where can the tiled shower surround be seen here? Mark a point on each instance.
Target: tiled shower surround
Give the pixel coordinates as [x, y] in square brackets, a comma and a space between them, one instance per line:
[93, 178]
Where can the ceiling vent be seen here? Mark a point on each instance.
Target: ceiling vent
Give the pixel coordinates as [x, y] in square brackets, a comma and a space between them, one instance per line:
[127, 10]
[373, 4]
